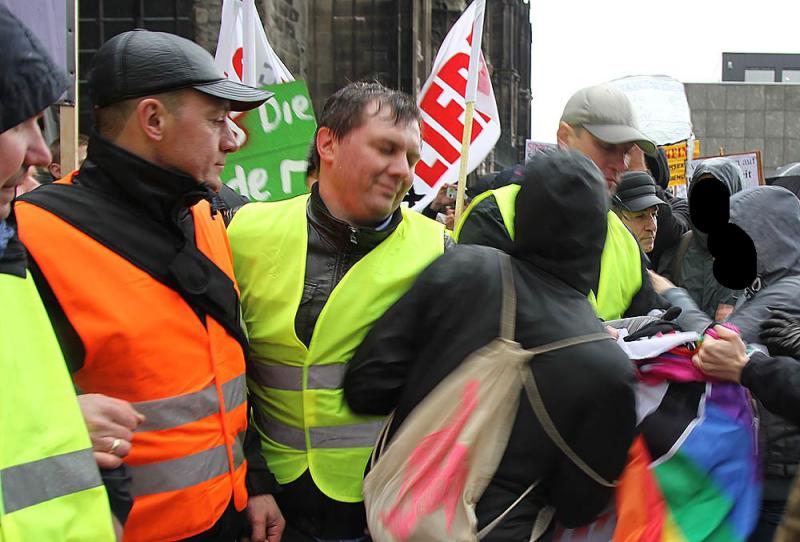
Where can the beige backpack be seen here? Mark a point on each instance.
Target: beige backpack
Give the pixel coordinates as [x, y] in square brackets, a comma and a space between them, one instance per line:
[425, 484]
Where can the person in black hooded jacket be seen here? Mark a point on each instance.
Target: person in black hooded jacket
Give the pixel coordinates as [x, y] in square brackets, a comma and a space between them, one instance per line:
[754, 241]
[586, 389]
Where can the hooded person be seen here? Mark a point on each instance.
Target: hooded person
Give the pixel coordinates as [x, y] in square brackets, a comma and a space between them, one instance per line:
[587, 389]
[754, 242]
[673, 218]
[50, 487]
[689, 264]
[599, 122]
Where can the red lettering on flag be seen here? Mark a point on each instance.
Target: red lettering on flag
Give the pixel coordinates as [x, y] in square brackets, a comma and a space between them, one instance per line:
[439, 143]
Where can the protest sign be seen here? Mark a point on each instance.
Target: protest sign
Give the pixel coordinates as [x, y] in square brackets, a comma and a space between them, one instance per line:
[750, 162]
[271, 165]
[660, 105]
[533, 148]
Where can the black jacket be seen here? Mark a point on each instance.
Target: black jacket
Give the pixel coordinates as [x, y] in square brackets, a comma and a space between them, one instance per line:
[159, 198]
[484, 226]
[454, 309]
[769, 218]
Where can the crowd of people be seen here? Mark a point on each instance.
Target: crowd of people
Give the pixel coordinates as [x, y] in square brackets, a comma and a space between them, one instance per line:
[179, 364]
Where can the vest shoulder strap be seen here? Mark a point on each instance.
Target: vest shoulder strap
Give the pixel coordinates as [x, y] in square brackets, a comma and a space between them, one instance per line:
[149, 246]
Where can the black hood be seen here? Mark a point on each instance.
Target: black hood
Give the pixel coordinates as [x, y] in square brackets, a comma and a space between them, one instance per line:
[659, 168]
[29, 80]
[561, 218]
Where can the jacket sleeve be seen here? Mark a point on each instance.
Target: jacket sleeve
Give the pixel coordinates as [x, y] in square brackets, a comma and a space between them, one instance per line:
[484, 226]
[602, 440]
[259, 480]
[377, 372]
[646, 299]
[691, 317]
[775, 381]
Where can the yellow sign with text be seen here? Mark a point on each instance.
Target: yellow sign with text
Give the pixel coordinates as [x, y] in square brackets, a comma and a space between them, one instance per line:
[676, 158]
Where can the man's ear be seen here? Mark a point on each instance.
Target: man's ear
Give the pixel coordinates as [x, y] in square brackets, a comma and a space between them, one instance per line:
[152, 116]
[55, 170]
[326, 145]
[565, 135]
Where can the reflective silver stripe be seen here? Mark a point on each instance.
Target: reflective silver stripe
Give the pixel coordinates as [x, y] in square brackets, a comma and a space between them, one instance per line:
[326, 377]
[49, 478]
[182, 409]
[279, 377]
[360, 435]
[290, 377]
[234, 392]
[179, 473]
[280, 433]
[238, 450]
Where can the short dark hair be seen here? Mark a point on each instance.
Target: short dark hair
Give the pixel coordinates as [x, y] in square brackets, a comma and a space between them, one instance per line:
[110, 119]
[55, 147]
[343, 111]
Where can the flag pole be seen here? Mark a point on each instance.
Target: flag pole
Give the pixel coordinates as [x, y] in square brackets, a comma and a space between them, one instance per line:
[472, 87]
[68, 109]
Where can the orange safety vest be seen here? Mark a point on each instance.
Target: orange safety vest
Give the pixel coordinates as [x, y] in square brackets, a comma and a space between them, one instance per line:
[144, 344]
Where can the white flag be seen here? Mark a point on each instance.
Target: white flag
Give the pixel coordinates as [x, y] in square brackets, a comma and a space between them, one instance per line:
[244, 53]
[442, 101]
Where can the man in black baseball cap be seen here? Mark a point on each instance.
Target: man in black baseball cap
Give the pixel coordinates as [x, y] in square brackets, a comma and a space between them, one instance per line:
[637, 206]
[136, 261]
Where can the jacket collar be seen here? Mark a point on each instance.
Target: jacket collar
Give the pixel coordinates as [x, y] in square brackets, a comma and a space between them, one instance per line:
[13, 260]
[342, 234]
[145, 188]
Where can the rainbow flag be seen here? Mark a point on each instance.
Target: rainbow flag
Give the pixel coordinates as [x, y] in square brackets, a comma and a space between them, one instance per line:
[693, 473]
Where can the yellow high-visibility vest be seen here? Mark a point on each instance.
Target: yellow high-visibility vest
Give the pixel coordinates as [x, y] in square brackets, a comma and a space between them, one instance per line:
[620, 263]
[50, 488]
[300, 411]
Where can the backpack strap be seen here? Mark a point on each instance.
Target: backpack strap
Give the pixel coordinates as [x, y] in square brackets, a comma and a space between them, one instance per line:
[508, 307]
[541, 524]
[680, 255]
[535, 398]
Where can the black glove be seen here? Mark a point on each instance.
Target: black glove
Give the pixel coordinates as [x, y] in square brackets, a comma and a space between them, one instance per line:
[781, 334]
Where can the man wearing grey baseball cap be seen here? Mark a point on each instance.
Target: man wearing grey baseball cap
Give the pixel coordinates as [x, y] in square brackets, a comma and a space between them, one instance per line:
[137, 266]
[599, 122]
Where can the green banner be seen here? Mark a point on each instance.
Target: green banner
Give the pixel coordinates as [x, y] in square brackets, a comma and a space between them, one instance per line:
[271, 165]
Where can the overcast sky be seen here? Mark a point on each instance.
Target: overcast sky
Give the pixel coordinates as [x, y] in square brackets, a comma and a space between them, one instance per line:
[576, 44]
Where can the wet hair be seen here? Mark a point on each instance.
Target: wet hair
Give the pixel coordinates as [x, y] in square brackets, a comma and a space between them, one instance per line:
[343, 111]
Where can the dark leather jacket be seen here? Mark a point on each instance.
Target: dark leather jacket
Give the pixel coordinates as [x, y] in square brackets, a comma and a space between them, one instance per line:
[333, 248]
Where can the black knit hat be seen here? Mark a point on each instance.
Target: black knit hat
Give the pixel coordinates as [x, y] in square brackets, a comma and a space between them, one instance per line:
[29, 80]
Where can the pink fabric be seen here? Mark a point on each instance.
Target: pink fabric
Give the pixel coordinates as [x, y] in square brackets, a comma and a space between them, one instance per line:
[436, 474]
[676, 365]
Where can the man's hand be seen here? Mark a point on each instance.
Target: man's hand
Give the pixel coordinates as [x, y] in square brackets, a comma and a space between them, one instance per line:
[111, 423]
[441, 200]
[266, 520]
[636, 161]
[722, 358]
[781, 334]
[660, 284]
